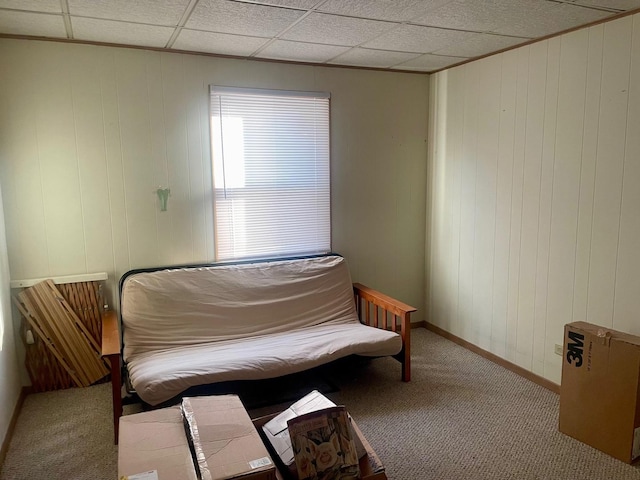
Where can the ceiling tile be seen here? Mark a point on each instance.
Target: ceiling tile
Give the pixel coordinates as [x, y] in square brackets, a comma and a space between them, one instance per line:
[120, 32]
[364, 57]
[478, 16]
[241, 18]
[221, 43]
[413, 38]
[166, 12]
[301, 52]
[35, 24]
[302, 4]
[336, 30]
[617, 4]
[49, 6]
[480, 44]
[392, 10]
[553, 18]
[429, 62]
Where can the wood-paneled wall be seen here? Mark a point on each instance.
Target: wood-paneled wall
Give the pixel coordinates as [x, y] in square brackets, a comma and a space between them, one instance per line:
[88, 133]
[9, 374]
[533, 205]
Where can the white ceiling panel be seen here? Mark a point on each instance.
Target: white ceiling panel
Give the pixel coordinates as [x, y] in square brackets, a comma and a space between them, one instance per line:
[392, 10]
[480, 44]
[413, 38]
[120, 32]
[336, 30]
[481, 16]
[364, 57]
[167, 12]
[27, 23]
[50, 6]
[301, 4]
[221, 43]
[552, 19]
[241, 18]
[429, 62]
[617, 4]
[420, 35]
[301, 52]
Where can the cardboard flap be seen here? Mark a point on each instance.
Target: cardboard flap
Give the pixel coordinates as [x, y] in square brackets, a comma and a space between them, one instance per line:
[225, 442]
[224, 431]
[155, 441]
[309, 403]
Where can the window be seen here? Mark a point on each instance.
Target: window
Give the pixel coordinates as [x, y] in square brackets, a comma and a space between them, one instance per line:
[270, 172]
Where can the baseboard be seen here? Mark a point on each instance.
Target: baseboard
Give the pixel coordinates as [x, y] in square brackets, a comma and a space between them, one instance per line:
[12, 424]
[543, 382]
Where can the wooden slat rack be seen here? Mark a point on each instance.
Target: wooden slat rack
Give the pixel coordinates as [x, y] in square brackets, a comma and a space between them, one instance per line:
[77, 303]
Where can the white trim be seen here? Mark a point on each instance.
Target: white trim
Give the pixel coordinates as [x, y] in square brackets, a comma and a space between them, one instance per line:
[86, 277]
[218, 90]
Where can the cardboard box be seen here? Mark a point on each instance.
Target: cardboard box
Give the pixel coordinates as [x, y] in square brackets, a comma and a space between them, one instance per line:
[207, 438]
[276, 429]
[599, 395]
[154, 441]
[225, 441]
[277, 433]
[371, 468]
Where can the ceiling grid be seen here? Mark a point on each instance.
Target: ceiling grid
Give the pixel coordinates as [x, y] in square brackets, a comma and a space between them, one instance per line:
[405, 35]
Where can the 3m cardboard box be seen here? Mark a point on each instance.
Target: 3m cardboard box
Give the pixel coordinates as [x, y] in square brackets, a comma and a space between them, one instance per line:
[225, 441]
[153, 446]
[599, 395]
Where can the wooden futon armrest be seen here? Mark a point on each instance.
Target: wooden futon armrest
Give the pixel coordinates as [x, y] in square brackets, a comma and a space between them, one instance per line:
[381, 311]
[111, 351]
[110, 334]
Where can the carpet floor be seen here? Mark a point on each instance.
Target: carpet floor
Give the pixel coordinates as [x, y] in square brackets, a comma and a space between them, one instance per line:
[461, 417]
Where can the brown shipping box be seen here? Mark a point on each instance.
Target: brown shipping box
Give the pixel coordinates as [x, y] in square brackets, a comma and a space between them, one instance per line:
[277, 433]
[599, 395]
[225, 441]
[154, 443]
[371, 468]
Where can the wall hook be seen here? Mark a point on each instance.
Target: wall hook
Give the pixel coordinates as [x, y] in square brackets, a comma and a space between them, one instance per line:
[163, 196]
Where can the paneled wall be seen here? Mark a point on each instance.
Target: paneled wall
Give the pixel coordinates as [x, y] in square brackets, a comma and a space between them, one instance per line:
[88, 133]
[534, 200]
[9, 376]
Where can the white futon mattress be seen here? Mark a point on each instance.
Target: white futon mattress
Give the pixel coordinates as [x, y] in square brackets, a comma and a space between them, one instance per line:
[194, 326]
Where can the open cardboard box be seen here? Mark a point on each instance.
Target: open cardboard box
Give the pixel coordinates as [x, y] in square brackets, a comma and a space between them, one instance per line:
[277, 432]
[371, 467]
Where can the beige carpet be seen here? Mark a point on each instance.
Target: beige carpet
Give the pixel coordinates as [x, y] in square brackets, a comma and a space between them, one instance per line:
[461, 417]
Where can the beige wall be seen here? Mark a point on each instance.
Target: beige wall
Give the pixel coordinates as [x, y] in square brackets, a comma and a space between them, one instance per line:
[534, 198]
[9, 377]
[89, 132]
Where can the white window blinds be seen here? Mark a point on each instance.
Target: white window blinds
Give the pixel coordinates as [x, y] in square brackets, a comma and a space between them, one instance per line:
[270, 172]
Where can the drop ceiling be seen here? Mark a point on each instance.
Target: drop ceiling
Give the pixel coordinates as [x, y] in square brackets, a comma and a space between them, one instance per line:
[409, 35]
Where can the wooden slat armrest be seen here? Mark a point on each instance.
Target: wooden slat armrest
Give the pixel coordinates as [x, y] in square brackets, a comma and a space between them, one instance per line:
[111, 351]
[388, 303]
[110, 334]
[399, 310]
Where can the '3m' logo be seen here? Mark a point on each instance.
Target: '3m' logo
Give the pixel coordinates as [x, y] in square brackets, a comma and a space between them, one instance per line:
[575, 349]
